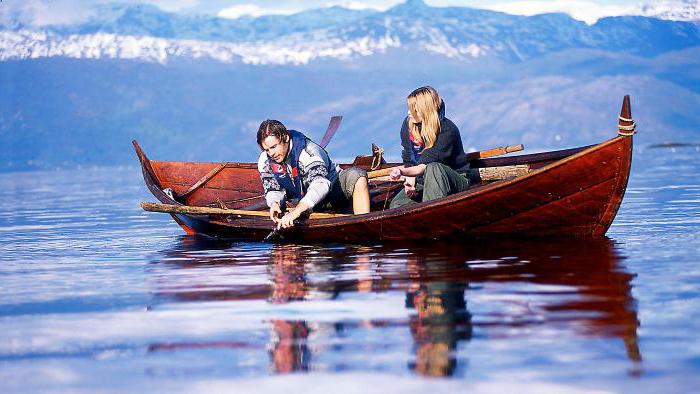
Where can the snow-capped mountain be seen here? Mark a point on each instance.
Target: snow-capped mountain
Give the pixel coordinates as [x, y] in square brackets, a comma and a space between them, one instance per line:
[147, 34]
[676, 10]
[292, 50]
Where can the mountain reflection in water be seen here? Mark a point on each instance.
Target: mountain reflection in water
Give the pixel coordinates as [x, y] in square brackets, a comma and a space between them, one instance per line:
[451, 294]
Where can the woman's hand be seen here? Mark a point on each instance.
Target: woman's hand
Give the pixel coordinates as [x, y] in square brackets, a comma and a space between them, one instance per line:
[395, 174]
[413, 171]
[275, 212]
[409, 187]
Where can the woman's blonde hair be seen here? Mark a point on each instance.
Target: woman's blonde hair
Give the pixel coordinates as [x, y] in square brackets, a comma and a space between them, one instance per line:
[425, 102]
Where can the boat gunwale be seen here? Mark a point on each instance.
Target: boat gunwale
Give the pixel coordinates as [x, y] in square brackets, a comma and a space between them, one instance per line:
[482, 163]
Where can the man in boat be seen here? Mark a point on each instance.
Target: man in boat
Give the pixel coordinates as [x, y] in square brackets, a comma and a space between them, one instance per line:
[292, 167]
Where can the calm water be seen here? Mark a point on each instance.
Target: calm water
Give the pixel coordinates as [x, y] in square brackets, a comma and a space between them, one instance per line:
[97, 295]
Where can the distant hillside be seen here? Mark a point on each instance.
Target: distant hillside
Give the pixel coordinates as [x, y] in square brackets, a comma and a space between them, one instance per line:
[64, 112]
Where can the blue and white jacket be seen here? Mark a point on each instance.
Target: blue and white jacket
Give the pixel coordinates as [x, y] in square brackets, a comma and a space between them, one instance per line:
[307, 173]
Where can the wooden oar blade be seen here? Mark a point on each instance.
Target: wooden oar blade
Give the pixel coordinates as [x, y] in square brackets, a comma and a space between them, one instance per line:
[483, 154]
[333, 126]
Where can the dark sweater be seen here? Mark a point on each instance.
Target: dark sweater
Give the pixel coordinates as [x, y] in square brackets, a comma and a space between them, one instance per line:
[447, 149]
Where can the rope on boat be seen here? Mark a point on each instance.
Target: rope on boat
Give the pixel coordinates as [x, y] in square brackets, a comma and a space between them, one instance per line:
[244, 199]
[376, 159]
[626, 131]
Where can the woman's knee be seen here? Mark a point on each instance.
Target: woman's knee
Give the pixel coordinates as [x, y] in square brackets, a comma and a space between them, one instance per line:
[399, 200]
[434, 168]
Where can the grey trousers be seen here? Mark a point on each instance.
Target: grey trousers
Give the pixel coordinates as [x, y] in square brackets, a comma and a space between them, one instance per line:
[439, 181]
[340, 195]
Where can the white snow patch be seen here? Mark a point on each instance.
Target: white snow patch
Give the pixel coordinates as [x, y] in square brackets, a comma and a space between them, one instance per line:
[295, 49]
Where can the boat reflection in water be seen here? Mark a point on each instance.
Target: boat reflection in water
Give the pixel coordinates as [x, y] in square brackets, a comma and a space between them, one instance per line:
[517, 289]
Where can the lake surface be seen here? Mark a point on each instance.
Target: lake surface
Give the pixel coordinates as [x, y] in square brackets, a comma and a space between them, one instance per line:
[97, 295]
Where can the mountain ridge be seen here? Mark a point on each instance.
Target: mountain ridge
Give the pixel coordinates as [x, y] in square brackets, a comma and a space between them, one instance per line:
[461, 33]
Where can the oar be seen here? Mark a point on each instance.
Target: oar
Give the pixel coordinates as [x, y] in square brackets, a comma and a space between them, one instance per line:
[192, 210]
[482, 154]
[330, 131]
[485, 173]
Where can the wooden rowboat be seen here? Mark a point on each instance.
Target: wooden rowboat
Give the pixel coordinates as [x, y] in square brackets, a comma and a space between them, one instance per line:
[570, 193]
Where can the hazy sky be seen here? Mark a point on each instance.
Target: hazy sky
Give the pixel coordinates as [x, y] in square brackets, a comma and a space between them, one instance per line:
[589, 10]
[43, 12]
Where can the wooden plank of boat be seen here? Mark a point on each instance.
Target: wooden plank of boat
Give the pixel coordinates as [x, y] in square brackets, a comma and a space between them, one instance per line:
[203, 180]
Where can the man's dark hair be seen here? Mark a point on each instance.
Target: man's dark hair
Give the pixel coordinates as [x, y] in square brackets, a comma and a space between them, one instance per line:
[273, 128]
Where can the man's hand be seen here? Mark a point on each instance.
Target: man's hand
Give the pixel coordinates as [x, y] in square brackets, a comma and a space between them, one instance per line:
[275, 212]
[410, 187]
[288, 219]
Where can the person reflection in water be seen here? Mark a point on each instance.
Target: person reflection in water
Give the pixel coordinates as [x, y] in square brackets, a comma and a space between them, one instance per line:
[288, 348]
[288, 275]
[440, 322]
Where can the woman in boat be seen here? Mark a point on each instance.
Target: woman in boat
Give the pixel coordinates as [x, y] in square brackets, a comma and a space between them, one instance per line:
[432, 151]
[292, 166]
